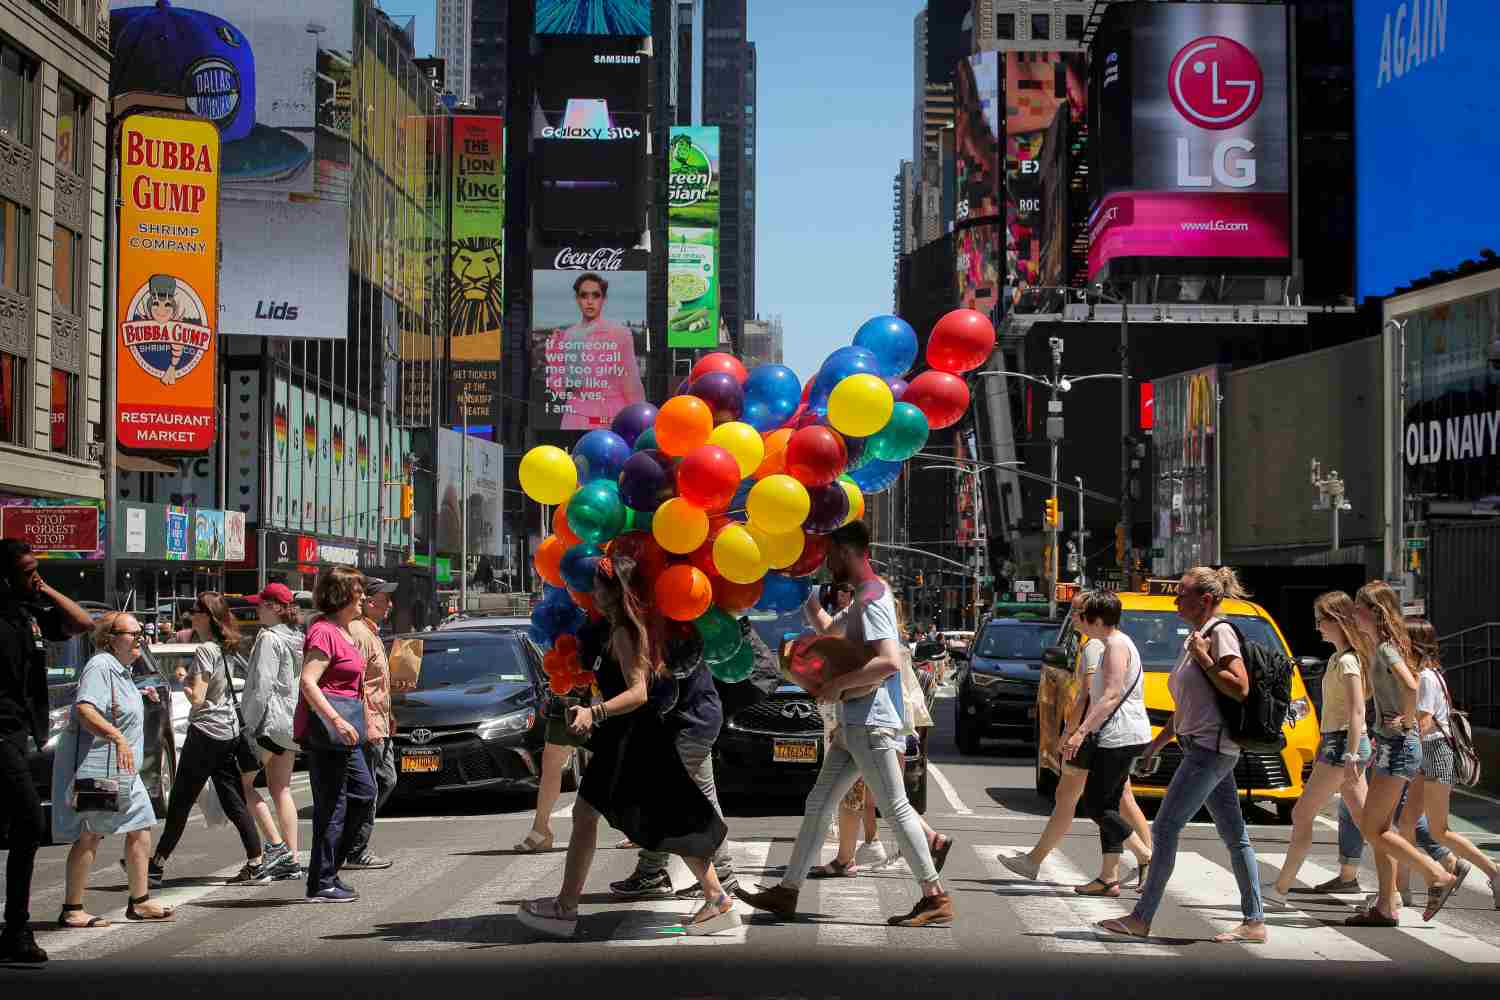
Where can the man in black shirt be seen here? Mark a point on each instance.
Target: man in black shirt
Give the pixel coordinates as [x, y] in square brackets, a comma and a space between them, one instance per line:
[30, 612]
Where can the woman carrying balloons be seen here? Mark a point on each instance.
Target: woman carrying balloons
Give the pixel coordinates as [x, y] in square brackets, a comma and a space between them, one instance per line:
[656, 698]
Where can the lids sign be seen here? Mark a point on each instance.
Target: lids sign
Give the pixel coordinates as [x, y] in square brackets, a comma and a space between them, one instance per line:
[167, 318]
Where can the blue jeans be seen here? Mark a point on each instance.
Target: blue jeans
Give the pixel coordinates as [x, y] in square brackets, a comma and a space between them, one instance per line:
[1204, 778]
[874, 753]
[1352, 842]
[343, 793]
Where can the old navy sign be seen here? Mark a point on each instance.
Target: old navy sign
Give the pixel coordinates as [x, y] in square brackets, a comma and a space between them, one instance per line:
[1471, 435]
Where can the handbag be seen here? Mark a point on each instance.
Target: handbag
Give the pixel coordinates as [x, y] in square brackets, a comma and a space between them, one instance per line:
[558, 733]
[321, 735]
[245, 757]
[1466, 767]
[96, 794]
[1090, 745]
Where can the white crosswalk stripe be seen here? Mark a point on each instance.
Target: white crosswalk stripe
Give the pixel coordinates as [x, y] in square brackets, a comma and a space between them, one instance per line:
[656, 922]
[480, 916]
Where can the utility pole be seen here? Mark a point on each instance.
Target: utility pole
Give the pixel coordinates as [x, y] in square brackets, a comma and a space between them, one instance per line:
[1082, 535]
[1330, 497]
[1055, 435]
[1125, 438]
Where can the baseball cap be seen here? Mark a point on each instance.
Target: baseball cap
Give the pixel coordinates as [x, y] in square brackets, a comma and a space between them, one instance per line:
[277, 593]
[375, 585]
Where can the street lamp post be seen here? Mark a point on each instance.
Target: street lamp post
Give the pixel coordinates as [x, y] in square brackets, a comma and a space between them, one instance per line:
[981, 554]
[1082, 536]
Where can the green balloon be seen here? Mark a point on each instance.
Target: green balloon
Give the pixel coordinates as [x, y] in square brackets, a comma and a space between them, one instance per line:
[721, 635]
[737, 668]
[902, 437]
[638, 520]
[647, 440]
[596, 513]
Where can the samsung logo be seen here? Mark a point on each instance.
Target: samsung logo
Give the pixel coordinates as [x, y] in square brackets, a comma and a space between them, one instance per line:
[617, 60]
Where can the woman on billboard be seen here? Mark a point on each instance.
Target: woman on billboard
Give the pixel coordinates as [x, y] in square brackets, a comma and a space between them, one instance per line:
[592, 364]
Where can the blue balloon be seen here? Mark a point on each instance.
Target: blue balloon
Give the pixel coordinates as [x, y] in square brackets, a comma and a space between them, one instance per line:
[737, 511]
[782, 593]
[578, 565]
[859, 454]
[555, 615]
[876, 476]
[534, 631]
[600, 454]
[772, 393]
[838, 366]
[892, 341]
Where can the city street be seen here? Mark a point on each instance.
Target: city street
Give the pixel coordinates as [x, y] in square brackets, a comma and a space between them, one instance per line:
[443, 916]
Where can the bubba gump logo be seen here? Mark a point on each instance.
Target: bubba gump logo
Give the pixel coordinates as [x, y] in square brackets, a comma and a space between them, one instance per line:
[166, 333]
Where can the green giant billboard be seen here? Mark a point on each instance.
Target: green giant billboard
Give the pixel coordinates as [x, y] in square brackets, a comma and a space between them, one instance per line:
[693, 237]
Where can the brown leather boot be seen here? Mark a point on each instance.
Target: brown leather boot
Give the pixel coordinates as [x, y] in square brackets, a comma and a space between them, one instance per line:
[779, 899]
[930, 911]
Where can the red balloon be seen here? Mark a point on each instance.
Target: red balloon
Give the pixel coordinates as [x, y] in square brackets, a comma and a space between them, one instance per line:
[816, 455]
[941, 397]
[737, 598]
[650, 558]
[719, 362]
[708, 477]
[814, 551]
[960, 342]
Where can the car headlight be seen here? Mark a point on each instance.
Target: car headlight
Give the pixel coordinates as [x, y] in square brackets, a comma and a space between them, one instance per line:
[1299, 709]
[57, 721]
[984, 680]
[506, 725]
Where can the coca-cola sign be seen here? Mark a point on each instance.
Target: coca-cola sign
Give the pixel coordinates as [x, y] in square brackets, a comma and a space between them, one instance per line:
[586, 259]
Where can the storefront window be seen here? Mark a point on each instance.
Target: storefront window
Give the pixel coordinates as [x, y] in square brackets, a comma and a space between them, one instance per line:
[64, 401]
[12, 383]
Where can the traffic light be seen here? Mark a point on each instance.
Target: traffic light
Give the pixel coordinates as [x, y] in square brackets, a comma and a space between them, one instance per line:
[1051, 516]
[408, 495]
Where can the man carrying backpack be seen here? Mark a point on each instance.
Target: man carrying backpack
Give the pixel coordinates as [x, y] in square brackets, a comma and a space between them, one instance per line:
[1211, 666]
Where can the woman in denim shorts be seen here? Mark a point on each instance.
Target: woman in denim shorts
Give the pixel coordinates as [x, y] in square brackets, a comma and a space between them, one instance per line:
[1398, 759]
[1434, 784]
[1344, 751]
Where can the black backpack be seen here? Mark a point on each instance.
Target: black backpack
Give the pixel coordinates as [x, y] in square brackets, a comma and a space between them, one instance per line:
[1256, 723]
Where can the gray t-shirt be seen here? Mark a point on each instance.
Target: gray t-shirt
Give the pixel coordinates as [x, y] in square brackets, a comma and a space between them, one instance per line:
[214, 715]
[1390, 693]
[871, 617]
[1196, 713]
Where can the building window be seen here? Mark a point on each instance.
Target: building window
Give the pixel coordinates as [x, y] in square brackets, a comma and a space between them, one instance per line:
[1041, 26]
[17, 94]
[12, 390]
[64, 408]
[67, 270]
[73, 133]
[15, 247]
[1074, 27]
[1005, 27]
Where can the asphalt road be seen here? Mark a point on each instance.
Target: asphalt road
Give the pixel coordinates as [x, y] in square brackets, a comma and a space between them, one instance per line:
[442, 919]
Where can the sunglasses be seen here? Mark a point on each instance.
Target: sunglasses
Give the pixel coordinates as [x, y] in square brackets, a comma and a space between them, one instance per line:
[133, 635]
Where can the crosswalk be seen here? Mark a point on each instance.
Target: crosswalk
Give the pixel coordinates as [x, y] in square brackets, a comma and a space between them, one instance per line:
[464, 898]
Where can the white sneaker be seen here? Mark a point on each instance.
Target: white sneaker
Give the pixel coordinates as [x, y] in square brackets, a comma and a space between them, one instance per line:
[1021, 865]
[872, 854]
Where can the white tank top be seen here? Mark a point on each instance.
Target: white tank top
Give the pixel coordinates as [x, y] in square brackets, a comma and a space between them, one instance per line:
[1130, 725]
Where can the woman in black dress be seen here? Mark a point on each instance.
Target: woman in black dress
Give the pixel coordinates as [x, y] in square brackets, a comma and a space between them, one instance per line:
[655, 690]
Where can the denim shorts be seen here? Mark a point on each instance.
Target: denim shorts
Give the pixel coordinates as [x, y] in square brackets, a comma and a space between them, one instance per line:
[1331, 748]
[1400, 755]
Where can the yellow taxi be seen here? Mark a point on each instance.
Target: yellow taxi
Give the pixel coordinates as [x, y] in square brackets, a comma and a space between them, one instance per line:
[1150, 619]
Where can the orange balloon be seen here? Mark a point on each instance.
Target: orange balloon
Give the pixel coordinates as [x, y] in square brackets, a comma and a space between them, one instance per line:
[683, 592]
[684, 423]
[561, 529]
[548, 559]
[737, 598]
[775, 461]
[562, 683]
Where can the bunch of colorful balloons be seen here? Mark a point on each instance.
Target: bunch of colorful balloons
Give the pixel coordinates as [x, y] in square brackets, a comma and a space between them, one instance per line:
[726, 494]
[565, 671]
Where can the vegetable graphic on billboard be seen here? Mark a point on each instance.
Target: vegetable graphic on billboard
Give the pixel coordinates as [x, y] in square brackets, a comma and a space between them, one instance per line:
[693, 237]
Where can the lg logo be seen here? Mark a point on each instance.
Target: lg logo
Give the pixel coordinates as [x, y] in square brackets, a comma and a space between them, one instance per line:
[1216, 83]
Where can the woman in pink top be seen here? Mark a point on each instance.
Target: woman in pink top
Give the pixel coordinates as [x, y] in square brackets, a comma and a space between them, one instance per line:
[597, 350]
[333, 672]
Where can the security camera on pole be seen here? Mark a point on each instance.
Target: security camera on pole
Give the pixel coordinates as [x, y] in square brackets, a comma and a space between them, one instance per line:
[1330, 497]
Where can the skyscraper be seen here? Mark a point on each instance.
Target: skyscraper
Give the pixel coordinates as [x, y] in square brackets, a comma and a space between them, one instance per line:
[489, 75]
[729, 102]
[682, 51]
[455, 37]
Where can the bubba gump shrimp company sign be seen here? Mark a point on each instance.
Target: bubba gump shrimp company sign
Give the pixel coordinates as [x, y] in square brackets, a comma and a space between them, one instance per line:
[166, 321]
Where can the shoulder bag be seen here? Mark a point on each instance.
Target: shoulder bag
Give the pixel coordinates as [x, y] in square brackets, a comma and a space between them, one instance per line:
[1090, 745]
[245, 757]
[96, 794]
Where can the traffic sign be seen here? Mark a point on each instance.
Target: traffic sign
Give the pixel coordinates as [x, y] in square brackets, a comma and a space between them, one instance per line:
[1416, 543]
[1025, 586]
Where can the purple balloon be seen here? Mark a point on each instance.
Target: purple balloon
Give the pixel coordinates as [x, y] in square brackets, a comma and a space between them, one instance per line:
[723, 394]
[898, 387]
[830, 505]
[648, 480]
[631, 421]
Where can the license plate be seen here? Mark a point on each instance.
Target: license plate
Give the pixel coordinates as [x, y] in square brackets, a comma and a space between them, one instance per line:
[421, 761]
[795, 751]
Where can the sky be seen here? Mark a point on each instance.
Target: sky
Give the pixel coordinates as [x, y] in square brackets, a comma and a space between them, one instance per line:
[835, 119]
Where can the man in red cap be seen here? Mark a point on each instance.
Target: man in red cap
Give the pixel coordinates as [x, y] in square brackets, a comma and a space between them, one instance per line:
[379, 724]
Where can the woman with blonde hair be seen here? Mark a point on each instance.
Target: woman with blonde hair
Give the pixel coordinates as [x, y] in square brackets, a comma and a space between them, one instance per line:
[1397, 760]
[1433, 785]
[1344, 750]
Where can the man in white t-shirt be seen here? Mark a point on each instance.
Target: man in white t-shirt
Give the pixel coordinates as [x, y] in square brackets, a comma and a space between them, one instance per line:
[867, 742]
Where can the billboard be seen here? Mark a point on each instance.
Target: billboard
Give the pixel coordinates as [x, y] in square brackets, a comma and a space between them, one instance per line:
[1190, 140]
[593, 17]
[588, 324]
[977, 136]
[485, 494]
[166, 321]
[693, 237]
[1427, 119]
[55, 528]
[476, 264]
[1185, 440]
[978, 253]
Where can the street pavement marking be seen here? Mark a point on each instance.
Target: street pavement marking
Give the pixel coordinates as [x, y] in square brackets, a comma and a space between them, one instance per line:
[479, 917]
[1438, 934]
[849, 909]
[1054, 915]
[949, 792]
[652, 923]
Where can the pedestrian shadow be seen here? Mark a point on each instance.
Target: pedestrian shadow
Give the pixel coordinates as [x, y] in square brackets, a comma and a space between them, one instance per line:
[257, 903]
[1021, 800]
[1016, 887]
[1104, 937]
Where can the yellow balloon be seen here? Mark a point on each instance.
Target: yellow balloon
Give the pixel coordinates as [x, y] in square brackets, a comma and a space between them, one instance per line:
[679, 527]
[548, 474]
[860, 405]
[778, 504]
[856, 501]
[743, 442]
[780, 550]
[736, 555]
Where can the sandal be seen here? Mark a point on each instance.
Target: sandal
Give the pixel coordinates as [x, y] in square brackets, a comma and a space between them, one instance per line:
[1117, 926]
[66, 924]
[834, 869]
[1371, 918]
[1110, 889]
[713, 917]
[940, 854]
[546, 916]
[1438, 896]
[534, 843]
[131, 913]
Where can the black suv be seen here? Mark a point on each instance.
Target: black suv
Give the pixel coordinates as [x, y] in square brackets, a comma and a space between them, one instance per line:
[997, 687]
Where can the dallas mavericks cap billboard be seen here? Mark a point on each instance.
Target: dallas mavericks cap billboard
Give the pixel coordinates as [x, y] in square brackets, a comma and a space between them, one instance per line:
[207, 61]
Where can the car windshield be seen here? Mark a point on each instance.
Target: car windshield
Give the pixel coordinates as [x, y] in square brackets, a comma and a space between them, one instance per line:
[170, 663]
[453, 662]
[1015, 642]
[1159, 635]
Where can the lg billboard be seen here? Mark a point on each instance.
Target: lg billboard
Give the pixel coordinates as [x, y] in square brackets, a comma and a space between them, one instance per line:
[1191, 142]
[1427, 136]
